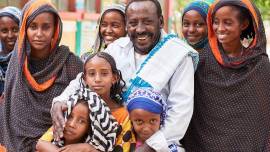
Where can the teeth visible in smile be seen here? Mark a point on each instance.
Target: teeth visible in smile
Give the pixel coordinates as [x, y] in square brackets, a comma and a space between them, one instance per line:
[142, 37]
[108, 37]
[221, 35]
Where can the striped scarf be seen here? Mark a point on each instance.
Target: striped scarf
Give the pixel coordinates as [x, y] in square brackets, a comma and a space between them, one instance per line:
[103, 124]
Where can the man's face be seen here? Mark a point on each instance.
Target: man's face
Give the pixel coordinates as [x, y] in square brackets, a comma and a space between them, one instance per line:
[143, 25]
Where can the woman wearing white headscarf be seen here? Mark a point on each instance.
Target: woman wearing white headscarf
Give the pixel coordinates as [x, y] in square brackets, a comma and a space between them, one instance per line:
[9, 27]
[110, 27]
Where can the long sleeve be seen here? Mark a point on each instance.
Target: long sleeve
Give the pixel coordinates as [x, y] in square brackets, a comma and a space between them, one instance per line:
[69, 90]
[180, 106]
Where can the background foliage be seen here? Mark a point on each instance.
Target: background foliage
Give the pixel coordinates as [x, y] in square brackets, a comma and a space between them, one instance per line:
[264, 7]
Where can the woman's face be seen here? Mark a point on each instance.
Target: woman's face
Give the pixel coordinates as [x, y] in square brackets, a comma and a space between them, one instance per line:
[227, 26]
[194, 28]
[112, 27]
[8, 33]
[40, 33]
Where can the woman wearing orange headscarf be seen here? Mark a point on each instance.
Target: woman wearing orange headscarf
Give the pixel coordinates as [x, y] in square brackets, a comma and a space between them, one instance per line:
[39, 70]
[232, 83]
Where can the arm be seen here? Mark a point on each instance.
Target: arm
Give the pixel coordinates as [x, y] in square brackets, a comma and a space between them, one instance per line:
[83, 147]
[45, 146]
[69, 90]
[59, 106]
[180, 105]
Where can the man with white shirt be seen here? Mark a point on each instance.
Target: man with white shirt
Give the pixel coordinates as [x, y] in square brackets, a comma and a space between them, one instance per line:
[151, 58]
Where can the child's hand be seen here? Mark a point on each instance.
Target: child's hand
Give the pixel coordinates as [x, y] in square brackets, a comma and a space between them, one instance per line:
[84, 147]
[45, 146]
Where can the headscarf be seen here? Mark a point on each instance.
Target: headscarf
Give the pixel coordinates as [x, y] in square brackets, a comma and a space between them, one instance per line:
[148, 100]
[103, 124]
[200, 6]
[255, 30]
[12, 12]
[99, 44]
[32, 84]
[231, 101]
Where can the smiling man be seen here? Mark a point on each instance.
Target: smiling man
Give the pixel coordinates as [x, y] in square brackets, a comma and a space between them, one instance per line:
[151, 58]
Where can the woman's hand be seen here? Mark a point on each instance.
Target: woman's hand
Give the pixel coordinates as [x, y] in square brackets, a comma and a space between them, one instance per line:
[58, 119]
[84, 147]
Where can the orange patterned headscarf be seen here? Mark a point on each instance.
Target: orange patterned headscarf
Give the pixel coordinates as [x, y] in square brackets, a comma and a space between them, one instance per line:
[32, 9]
[257, 25]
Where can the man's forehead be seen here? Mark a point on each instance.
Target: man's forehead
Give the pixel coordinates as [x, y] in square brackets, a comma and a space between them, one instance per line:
[138, 5]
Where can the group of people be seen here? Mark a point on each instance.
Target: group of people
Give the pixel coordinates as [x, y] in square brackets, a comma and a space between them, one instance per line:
[137, 88]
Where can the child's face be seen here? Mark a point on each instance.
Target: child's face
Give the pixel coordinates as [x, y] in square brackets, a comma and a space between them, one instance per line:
[144, 123]
[99, 76]
[77, 125]
[112, 27]
[194, 27]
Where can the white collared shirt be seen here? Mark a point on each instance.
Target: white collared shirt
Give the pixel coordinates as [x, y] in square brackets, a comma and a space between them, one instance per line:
[178, 92]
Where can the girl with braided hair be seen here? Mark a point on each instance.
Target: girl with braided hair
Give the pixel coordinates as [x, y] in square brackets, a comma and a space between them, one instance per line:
[101, 76]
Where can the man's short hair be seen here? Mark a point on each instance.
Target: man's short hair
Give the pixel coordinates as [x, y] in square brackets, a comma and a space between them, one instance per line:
[156, 2]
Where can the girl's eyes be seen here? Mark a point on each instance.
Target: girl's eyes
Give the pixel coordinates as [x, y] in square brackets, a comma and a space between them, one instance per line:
[228, 22]
[81, 121]
[91, 73]
[32, 26]
[199, 24]
[104, 73]
[15, 30]
[94, 73]
[116, 25]
[185, 24]
[153, 121]
[215, 22]
[139, 122]
[46, 27]
[4, 30]
[103, 25]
